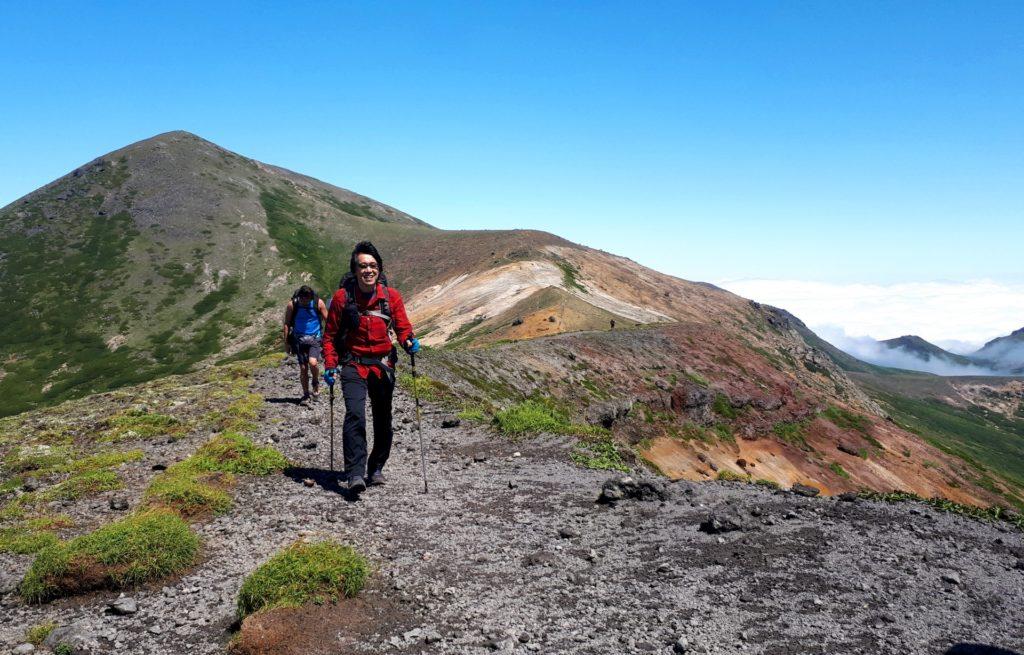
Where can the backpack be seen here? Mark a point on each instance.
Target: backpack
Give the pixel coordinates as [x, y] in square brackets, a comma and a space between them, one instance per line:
[350, 314]
[295, 311]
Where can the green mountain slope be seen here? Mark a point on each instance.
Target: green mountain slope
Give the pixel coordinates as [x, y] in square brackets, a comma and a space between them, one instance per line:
[154, 257]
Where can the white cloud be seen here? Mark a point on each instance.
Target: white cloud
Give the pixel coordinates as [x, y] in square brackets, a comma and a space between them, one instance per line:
[965, 313]
[867, 349]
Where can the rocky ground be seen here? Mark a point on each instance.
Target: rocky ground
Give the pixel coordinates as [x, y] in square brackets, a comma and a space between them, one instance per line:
[509, 552]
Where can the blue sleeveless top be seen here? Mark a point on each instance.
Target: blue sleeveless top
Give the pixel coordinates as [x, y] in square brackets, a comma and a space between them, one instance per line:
[307, 319]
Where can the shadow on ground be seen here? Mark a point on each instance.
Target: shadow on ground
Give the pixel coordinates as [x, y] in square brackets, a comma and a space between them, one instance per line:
[323, 478]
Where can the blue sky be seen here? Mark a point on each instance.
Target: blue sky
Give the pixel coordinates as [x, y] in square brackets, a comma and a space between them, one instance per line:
[835, 142]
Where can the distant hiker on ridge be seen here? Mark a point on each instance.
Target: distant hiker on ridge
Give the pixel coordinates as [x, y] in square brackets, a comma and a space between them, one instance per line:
[359, 351]
[303, 329]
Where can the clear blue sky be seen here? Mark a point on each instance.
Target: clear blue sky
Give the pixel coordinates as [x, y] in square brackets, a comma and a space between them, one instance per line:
[832, 141]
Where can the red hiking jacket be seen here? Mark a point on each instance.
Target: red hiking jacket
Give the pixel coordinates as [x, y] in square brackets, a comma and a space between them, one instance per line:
[371, 339]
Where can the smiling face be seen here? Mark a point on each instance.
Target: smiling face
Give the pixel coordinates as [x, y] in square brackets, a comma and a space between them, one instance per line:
[366, 272]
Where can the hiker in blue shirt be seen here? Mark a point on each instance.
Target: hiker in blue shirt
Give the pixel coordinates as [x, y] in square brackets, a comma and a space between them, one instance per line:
[303, 330]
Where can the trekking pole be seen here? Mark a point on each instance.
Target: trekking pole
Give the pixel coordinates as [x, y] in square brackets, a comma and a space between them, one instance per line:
[332, 426]
[419, 425]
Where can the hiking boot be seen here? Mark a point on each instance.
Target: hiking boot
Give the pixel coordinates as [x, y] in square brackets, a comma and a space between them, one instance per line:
[354, 487]
[316, 392]
[376, 479]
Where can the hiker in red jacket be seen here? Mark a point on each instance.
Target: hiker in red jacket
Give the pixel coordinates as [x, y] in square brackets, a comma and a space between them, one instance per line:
[358, 350]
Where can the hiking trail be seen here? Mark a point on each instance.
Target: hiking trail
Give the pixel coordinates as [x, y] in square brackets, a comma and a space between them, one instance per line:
[510, 553]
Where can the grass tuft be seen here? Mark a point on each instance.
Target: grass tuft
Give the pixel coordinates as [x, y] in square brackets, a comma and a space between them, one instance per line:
[992, 513]
[723, 407]
[792, 433]
[135, 424]
[847, 420]
[599, 454]
[189, 493]
[231, 452]
[730, 476]
[84, 484]
[136, 549]
[304, 573]
[838, 469]
[37, 634]
[424, 387]
[538, 415]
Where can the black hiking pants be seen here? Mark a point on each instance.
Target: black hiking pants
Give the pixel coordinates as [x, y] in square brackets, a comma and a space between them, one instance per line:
[355, 389]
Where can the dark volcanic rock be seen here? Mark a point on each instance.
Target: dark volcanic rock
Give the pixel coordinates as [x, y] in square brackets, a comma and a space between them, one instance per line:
[805, 490]
[718, 523]
[847, 448]
[628, 488]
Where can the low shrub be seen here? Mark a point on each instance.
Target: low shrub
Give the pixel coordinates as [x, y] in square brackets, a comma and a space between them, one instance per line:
[304, 573]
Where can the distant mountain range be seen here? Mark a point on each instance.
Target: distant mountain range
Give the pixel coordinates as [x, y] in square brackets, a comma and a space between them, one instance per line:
[1001, 356]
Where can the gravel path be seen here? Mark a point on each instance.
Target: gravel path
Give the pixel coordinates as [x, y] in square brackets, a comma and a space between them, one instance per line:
[509, 552]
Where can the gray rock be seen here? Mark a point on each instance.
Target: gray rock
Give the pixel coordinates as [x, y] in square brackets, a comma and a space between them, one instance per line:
[719, 523]
[30, 484]
[805, 490]
[124, 606]
[23, 649]
[75, 638]
[119, 503]
[626, 487]
[449, 422]
[951, 578]
[682, 645]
